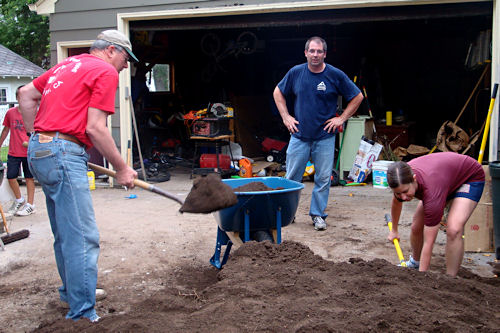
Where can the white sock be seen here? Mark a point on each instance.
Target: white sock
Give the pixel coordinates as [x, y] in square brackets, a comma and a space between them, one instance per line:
[21, 199]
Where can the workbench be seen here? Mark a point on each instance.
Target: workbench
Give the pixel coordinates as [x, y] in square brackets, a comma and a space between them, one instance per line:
[216, 142]
[402, 134]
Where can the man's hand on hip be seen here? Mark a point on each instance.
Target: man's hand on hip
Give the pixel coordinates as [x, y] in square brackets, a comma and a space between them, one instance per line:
[332, 124]
[291, 124]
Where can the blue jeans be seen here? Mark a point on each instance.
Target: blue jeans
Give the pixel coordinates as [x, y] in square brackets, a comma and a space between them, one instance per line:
[321, 153]
[60, 166]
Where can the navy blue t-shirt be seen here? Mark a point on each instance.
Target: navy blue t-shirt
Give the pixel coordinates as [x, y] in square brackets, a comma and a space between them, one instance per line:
[315, 97]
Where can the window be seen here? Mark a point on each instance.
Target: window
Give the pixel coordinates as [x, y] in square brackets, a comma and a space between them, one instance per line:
[160, 78]
[3, 94]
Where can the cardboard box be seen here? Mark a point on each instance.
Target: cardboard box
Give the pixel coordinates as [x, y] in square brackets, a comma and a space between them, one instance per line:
[258, 166]
[478, 231]
[367, 154]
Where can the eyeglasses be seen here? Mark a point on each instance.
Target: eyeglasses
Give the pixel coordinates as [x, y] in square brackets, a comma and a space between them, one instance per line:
[123, 53]
[313, 51]
[125, 56]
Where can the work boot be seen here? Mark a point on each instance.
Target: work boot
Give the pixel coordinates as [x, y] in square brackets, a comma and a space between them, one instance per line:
[16, 206]
[28, 209]
[319, 223]
[412, 263]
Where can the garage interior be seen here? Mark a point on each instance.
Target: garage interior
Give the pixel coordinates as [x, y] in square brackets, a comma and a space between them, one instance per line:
[420, 62]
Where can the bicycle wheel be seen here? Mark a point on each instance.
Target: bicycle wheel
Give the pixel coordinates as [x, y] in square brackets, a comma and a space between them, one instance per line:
[248, 42]
[210, 44]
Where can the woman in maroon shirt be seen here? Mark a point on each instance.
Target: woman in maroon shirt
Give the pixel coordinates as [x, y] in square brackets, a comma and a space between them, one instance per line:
[435, 180]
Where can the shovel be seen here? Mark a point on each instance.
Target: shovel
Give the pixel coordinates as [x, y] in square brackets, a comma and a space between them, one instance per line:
[207, 195]
[137, 182]
[396, 242]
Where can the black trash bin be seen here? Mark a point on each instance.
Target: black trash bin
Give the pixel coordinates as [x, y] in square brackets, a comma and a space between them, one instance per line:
[495, 187]
[2, 170]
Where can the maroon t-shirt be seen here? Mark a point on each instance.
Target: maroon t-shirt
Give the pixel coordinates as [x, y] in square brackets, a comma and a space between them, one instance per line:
[438, 176]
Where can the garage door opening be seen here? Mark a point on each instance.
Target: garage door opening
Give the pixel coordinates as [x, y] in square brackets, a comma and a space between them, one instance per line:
[420, 62]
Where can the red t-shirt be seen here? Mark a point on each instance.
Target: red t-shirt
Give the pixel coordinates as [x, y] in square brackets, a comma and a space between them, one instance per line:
[69, 89]
[14, 121]
[438, 176]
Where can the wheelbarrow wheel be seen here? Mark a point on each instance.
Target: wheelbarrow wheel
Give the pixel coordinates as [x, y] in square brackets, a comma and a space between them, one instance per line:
[261, 236]
[335, 178]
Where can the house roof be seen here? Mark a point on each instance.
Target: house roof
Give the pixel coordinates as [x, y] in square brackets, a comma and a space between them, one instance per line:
[12, 64]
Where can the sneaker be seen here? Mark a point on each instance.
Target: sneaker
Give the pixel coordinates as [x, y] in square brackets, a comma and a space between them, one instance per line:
[26, 210]
[319, 223]
[16, 206]
[95, 318]
[100, 294]
[411, 263]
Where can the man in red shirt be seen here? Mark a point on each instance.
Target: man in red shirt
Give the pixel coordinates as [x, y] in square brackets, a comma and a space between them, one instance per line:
[75, 97]
[435, 180]
[13, 123]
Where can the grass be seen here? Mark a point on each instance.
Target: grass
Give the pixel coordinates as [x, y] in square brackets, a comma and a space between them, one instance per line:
[3, 153]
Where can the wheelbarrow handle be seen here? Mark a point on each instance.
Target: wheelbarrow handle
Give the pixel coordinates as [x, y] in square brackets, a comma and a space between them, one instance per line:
[137, 182]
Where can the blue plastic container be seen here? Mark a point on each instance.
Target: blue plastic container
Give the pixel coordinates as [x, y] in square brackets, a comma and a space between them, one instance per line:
[261, 207]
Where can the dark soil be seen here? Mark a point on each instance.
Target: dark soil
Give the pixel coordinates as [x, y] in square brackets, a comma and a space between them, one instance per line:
[207, 195]
[253, 187]
[286, 288]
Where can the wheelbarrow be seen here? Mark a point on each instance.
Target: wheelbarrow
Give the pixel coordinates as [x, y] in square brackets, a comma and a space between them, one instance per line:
[255, 211]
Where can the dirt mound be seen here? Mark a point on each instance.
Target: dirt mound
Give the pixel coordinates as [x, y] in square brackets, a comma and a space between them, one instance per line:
[286, 288]
[253, 187]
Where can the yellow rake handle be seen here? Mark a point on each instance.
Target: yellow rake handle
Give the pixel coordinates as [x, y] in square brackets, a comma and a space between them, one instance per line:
[396, 244]
[487, 127]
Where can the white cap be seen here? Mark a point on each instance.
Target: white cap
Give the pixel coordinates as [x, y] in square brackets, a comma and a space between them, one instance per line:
[116, 37]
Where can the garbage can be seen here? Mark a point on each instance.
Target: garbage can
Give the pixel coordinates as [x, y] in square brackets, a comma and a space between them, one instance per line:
[495, 188]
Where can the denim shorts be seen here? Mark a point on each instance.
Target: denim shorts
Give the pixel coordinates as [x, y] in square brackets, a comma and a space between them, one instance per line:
[14, 165]
[472, 191]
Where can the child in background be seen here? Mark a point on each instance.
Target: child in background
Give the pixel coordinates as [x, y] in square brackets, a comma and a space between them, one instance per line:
[13, 123]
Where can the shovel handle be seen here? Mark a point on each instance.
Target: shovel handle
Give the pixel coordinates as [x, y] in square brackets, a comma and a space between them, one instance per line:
[4, 220]
[112, 173]
[396, 242]
[137, 182]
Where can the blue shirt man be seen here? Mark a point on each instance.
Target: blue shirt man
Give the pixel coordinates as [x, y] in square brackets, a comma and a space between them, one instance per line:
[315, 87]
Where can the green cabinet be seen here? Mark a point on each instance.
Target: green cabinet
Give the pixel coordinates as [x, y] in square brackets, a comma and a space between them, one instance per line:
[350, 139]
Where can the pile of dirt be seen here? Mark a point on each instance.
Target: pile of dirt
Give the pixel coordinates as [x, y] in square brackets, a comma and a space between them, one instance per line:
[286, 288]
[253, 187]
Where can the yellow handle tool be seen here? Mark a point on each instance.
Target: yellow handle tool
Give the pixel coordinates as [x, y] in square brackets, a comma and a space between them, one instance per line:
[396, 242]
[487, 127]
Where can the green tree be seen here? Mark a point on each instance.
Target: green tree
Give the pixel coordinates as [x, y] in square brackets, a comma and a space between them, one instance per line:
[24, 31]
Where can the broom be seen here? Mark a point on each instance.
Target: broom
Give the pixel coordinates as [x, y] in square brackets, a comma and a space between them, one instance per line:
[12, 237]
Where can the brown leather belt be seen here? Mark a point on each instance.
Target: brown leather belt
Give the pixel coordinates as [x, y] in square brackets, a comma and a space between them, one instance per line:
[61, 136]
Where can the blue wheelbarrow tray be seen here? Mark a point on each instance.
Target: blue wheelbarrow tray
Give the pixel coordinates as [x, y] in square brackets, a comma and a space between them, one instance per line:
[256, 211]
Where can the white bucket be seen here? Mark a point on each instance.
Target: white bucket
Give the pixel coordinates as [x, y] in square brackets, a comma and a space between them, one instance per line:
[379, 173]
